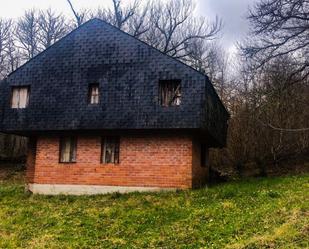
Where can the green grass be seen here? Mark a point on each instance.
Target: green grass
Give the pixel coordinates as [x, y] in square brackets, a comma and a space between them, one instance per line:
[256, 213]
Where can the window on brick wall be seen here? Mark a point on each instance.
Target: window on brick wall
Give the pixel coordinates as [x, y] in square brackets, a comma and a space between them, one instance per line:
[110, 150]
[204, 155]
[170, 92]
[93, 94]
[20, 97]
[68, 147]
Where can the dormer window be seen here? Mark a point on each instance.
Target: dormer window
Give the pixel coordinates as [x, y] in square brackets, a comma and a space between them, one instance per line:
[94, 95]
[170, 92]
[20, 97]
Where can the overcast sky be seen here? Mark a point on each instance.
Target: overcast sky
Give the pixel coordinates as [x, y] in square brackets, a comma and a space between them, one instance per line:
[232, 12]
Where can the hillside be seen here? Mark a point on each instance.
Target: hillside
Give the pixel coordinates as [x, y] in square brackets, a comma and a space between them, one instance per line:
[259, 213]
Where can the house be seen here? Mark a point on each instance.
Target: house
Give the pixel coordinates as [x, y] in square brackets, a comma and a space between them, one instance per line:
[106, 112]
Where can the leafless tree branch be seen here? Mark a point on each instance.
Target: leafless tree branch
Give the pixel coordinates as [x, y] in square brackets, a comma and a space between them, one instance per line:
[279, 27]
[52, 27]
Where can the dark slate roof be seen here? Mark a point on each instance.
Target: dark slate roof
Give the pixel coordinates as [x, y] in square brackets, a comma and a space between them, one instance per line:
[128, 72]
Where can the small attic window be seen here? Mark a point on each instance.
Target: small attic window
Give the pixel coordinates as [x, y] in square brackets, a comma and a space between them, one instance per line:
[20, 97]
[170, 92]
[93, 94]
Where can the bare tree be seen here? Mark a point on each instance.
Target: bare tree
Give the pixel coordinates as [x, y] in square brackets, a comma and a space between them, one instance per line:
[80, 16]
[52, 27]
[168, 26]
[212, 59]
[14, 58]
[175, 30]
[120, 15]
[130, 18]
[267, 118]
[139, 23]
[27, 33]
[5, 30]
[279, 27]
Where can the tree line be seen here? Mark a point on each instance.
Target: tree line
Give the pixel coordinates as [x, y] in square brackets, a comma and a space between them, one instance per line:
[265, 87]
[267, 93]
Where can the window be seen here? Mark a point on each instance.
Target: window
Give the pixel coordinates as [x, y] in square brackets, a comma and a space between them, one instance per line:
[110, 150]
[20, 97]
[170, 92]
[204, 155]
[68, 149]
[93, 95]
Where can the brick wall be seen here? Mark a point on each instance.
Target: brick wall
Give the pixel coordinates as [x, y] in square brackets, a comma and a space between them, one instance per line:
[148, 160]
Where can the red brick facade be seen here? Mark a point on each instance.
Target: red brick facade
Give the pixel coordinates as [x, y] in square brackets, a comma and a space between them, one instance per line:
[145, 161]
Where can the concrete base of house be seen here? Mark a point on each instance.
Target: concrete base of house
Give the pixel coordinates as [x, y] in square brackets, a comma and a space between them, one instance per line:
[64, 189]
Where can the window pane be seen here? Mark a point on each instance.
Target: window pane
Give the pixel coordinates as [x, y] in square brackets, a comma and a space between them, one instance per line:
[177, 97]
[20, 97]
[68, 149]
[170, 92]
[15, 98]
[73, 149]
[110, 150]
[23, 97]
[94, 94]
[116, 154]
[109, 153]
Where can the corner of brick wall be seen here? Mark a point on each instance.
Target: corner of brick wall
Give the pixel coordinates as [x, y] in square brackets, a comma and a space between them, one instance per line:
[200, 175]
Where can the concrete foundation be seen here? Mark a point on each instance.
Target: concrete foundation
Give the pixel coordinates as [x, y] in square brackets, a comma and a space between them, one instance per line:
[66, 189]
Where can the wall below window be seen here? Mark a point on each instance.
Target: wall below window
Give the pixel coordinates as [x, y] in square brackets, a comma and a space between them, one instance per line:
[145, 161]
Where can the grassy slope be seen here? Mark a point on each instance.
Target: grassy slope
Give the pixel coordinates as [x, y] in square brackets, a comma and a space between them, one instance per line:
[260, 213]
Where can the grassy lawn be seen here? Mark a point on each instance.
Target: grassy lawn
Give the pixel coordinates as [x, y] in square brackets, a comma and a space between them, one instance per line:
[257, 213]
